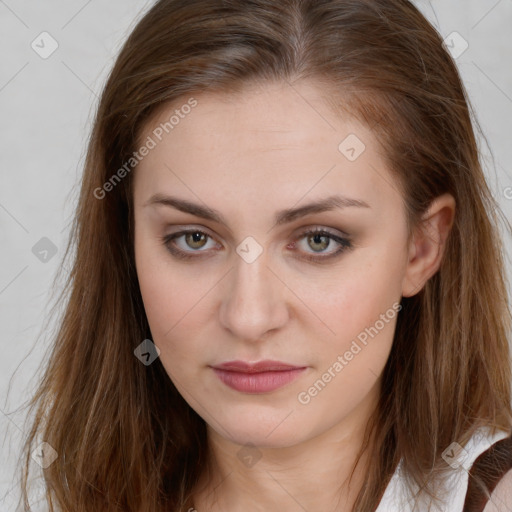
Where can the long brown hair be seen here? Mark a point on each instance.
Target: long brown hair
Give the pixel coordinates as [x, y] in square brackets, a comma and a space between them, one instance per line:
[125, 438]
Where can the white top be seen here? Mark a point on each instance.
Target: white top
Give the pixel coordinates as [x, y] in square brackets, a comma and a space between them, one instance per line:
[398, 499]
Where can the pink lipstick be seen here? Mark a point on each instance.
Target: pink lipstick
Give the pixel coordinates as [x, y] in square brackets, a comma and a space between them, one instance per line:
[260, 377]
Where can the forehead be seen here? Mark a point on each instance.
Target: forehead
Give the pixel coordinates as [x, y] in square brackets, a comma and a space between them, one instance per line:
[279, 141]
[261, 117]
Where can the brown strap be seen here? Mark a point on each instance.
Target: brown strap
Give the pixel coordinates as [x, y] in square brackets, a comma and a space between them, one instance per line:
[488, 469]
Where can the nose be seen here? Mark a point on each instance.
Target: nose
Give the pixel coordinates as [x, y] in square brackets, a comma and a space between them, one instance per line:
[254, 301]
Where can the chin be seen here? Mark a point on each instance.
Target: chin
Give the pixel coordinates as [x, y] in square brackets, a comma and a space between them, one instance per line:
[266, 433]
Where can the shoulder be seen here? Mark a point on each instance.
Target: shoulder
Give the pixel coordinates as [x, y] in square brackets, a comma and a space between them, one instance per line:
[475, 471]
[501, 498]
[491, 475]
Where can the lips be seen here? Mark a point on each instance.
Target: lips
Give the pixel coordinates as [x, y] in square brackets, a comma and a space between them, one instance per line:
[260, 377]
[260, 366]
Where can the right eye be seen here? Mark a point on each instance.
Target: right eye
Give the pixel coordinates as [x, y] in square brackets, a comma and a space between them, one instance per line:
[193, 240]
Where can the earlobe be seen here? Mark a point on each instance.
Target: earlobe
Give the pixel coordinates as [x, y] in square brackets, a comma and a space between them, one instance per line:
[428, 244]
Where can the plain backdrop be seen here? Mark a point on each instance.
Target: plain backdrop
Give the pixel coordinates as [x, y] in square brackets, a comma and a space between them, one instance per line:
[47, 103]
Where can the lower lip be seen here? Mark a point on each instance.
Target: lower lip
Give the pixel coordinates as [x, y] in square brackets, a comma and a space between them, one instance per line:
[260, 382]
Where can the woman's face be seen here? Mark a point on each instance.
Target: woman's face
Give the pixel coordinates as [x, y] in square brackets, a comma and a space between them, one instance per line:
[251, 285]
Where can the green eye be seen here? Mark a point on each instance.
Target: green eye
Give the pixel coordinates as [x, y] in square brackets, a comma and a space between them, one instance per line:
[319, 240]
[195, 240]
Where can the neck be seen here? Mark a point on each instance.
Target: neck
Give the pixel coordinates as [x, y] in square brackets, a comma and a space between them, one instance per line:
[320, 473]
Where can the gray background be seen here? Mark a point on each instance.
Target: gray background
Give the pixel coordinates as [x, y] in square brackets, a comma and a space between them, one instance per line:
[46, 113]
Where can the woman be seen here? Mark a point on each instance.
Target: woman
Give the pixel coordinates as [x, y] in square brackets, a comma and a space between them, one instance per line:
[288, 288]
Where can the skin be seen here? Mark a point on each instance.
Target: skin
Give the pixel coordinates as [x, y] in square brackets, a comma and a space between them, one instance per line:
[249, 155]
[501, 498]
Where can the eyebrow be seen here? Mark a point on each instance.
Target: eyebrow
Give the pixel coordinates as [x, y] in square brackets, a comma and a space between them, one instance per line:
[281, 217]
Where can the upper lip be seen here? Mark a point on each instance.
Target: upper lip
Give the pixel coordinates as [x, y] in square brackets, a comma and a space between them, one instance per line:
[260, 366]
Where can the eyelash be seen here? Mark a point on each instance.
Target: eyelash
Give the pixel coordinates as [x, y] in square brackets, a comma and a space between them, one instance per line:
[345, 243]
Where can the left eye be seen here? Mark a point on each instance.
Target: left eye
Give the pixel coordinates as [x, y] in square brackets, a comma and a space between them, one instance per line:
[320, 240]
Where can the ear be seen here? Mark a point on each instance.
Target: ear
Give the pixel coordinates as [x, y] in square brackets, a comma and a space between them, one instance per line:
[428, 243]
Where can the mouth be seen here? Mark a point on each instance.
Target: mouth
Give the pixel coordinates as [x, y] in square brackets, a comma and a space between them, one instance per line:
[259, 377]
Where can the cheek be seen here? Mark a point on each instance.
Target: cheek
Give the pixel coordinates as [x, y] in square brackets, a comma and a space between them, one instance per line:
[354, 296]
[362, 312]
[163, 292]
[348, 300]
[360, 307]
[174, 297]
